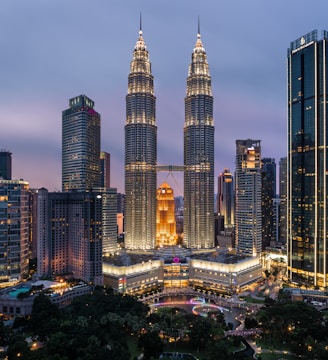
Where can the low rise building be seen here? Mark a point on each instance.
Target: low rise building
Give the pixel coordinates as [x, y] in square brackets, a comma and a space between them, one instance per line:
[18, 300]
[176, 267]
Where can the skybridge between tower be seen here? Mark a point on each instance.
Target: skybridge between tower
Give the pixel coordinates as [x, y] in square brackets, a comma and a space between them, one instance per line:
[169, 168]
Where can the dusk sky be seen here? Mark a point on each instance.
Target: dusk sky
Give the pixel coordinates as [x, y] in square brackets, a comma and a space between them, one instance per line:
[52, 51]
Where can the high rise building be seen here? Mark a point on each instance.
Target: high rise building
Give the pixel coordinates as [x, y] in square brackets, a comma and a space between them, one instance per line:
[105, 169]
[77, 227]
[199, 153]
[225, 199]
[80, 145]
[70, 234]
[41, 233]
[120, 203]
[166, 225]
[109, 220]
[140, 153]
[14, 230]
[283, 199]
[248, 197]
[268, 197]
[307, 160]
[109, 201]
[5, 165]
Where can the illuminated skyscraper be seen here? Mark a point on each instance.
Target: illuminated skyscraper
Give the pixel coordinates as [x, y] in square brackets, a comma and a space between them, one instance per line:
[80, 145]
[199, 153]
[140, 153]
[166, 225]
[248, 197]
[225, 199]
[307, 192]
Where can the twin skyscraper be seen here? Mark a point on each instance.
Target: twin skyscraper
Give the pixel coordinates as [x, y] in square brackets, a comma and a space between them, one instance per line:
[141, 153]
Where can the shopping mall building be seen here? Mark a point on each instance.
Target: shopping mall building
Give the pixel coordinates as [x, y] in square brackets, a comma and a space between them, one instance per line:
[220, 271]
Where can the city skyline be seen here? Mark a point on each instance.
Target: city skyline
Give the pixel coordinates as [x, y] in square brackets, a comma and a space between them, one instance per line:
[56, 51]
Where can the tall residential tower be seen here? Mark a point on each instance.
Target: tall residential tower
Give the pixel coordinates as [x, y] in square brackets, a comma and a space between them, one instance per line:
[248, 196]
[199, 153]
[140, 153]
[307, 228]
[14, 229]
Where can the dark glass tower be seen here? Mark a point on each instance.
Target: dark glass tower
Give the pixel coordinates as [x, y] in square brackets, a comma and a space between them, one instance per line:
[307, 160]
[268, 196]
[199, 153]
[283, 199]
[225, 199]
[5, 165]
[80, 145]
[105, 169]
[140, 153]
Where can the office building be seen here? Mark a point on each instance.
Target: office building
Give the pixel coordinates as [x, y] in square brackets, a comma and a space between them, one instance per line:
[140, 153]
[80, 145]
[14, 230]
[307, 160]
[248, 197]
[105, 169]
[199, 153]
[5, 165]
[283, 199]
[268, 197]
[225, 199]
[165, 220]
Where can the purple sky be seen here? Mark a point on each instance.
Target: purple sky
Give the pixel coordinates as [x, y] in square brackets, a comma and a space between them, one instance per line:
[52, 51]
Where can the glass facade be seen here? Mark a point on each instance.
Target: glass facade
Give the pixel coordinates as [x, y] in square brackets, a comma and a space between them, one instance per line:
[283, 199]
[307, 160]
[5, 165]
[140, 153]
[105, 169]
[81, 169]
[199, 154]
[268, 197]
[225, 199]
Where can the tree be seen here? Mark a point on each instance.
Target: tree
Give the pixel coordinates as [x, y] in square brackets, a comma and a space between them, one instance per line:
[152, 345]
[45, 316]
[222, 347]
[17, 347]
[200, 332]
[294, 324]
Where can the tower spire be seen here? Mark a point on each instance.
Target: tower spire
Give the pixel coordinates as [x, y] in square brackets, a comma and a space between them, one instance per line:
[140, 25]
[198, 32]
